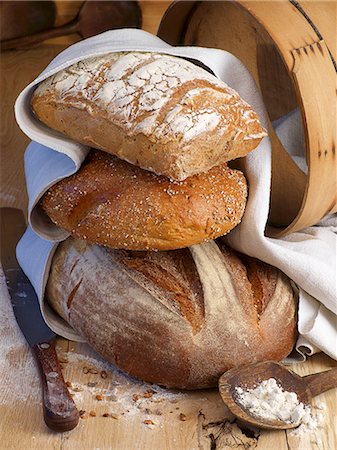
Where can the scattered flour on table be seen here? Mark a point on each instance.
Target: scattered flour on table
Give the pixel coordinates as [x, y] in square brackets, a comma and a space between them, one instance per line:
[18, 374]
[269, 401]
[118, 394]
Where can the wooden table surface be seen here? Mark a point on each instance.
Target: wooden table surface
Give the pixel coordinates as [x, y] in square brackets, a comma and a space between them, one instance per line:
[181, 420]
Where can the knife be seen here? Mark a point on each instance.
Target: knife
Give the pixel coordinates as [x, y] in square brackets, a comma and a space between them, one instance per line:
[59, 410]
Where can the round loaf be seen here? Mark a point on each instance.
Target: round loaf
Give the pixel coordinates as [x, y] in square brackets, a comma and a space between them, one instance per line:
[159, 112]
[179, 318]
[113, 203]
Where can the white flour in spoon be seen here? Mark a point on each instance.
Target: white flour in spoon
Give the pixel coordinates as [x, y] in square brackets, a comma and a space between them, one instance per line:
[269, 401]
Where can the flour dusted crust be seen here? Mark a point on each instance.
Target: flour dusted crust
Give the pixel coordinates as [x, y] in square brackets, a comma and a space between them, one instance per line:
[178, 318]
[113, 203]
[162, 113]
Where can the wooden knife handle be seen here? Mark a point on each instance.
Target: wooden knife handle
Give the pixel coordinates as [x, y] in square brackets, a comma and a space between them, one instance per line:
[59, 410]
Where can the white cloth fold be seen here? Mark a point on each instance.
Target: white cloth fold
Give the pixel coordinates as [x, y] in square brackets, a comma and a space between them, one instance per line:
[307, 257]
[317, 325]
[45, 167]
[35, 256]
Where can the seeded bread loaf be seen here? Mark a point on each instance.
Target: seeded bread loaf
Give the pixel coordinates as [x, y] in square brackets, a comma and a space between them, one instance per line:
[113, 203]
[159, 112]
[178, 318]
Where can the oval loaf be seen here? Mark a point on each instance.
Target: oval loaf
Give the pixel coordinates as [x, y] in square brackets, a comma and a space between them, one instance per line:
[113, 203]
[162, 113]
[178, 318]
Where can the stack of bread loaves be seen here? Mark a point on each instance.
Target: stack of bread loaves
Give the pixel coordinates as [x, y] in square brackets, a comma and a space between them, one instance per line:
[163, 129]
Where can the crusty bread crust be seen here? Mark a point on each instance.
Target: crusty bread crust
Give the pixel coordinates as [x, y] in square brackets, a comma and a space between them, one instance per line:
[113, 203]
[178, 318]
[156, 111]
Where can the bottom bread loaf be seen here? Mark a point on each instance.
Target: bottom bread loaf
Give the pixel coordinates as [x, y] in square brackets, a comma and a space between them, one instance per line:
[178, 318]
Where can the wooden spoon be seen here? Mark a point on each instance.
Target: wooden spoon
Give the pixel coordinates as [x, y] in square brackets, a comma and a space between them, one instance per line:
[249, 376]
[94, 18]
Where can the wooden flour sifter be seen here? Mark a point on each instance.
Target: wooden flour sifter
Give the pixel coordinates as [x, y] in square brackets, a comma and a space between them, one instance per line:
[290, 49]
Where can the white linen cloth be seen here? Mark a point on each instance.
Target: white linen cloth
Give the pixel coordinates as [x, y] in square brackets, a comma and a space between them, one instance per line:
[307, 257]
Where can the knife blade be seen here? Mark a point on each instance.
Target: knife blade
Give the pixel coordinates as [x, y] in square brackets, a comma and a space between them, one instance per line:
[59, 410]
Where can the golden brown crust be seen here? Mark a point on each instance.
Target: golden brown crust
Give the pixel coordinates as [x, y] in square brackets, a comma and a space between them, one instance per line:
[158, 317]
[113, 203]
[159, 112]
[173, 276]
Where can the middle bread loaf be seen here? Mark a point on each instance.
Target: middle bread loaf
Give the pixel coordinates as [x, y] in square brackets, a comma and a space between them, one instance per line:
[113, 203]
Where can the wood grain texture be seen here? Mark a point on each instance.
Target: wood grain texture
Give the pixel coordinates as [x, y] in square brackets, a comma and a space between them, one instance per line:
[59, 410]
[321, 13]
[208, 424]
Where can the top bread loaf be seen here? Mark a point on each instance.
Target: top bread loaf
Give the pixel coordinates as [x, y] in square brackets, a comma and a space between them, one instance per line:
[159, 112]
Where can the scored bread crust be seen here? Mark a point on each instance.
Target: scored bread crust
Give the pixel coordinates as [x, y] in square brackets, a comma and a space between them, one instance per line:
[159, 112]
[113, 203]
[178, 318]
